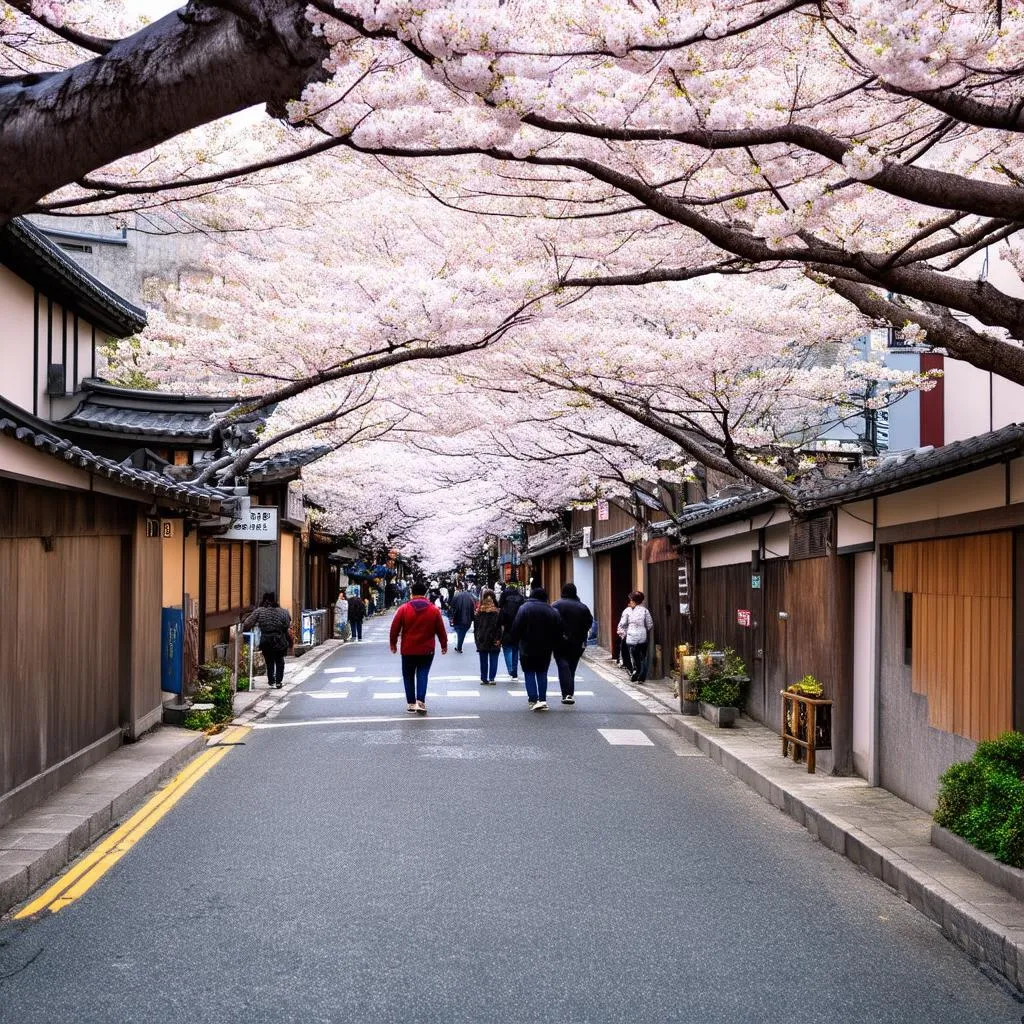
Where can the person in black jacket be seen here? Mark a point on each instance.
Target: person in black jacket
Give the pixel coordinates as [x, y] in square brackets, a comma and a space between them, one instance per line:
[356, 614]
[510, 603]
[576, 622]
[537, 628]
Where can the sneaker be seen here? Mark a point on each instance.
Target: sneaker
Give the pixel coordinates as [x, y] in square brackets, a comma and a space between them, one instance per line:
[483, 682]
[532, 704]
[514, 676]
[421, 708]
[569, 700]
[541, 705]
[633, 677]
[411, 708]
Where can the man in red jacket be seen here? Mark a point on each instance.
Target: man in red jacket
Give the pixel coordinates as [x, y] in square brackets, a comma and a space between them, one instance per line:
[417, 622]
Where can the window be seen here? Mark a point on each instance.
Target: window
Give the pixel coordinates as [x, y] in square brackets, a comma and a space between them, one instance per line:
[229, 577]
[908, 629]
[75, 247]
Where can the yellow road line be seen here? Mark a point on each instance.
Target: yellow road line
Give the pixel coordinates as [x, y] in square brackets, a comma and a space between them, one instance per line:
[94, 865]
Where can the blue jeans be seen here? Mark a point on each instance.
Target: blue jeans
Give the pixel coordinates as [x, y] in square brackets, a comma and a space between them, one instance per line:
[460, 636]
[357, 628]
[488, 666]
[415, 670]
[511, 659]
[535, 675]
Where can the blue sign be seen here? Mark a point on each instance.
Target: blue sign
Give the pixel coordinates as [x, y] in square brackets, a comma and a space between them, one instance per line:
[172, 649]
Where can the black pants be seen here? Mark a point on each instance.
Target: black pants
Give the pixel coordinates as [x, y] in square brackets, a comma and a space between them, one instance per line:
[357, 628]
[638, 660]
[275, 665]
[567, 662]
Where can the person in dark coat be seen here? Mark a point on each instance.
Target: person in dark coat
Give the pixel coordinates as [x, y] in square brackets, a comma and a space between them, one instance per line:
[356, 614]
[487, 634]
[576, 622]
[537, 629]
[274, 623]
[510, 603]
[460, 613]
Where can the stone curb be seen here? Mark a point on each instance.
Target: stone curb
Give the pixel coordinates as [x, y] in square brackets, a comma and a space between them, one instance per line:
[992, 944]
[38, 845]
[306, 666]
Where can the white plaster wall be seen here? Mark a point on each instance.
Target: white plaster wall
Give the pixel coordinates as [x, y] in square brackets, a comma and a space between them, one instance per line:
[1016, 481]
[583, 577]
[985, 488]
[865, 702]
[732, 551]
[776, 541]
[16, 339]
[854, 524]
[966, 405]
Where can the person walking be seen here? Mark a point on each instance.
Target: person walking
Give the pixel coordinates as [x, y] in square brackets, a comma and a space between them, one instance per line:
[356, 614]
[576, 622]
[537, 628]
[417, 624]
[460, 613]
[274, 623]
[510, 603]
[634, 627]
[487, 634]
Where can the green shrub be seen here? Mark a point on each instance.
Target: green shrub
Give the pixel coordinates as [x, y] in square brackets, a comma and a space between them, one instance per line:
[215, 688]
[721, 692]
[734, 664]
[807, 687]
[200, 720]
[982, 800]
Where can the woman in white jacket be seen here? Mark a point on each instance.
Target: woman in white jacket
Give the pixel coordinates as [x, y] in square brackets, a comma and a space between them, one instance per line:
[634, 627]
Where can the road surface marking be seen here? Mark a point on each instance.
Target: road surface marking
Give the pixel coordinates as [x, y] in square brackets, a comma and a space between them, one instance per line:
[91, 868]
[389, 696]
[627, 737]
[462, 693]
[364, 720]
[334, 671]
[325, 695]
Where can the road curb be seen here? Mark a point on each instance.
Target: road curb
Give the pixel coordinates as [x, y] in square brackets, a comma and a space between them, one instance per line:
[305, 667]
[995, 945]
[88, 807]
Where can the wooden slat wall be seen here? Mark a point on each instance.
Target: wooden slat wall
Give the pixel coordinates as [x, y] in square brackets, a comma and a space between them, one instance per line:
[603, 600]
[60, 625]
[146, 586]
[962, 634]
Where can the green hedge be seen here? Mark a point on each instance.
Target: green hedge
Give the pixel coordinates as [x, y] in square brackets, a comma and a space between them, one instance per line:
[982, 800]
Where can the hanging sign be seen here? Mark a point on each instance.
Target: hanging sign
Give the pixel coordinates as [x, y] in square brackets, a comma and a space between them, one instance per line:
[755, 581]
[602, 509]
[742, 617]
[254, 522]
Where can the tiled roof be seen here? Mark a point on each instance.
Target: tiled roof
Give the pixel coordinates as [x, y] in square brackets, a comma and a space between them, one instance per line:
[287, 463]
[32, 256]
[900, 471]
[722, 509]
[613, 540]
[23, 429]
[190, 426]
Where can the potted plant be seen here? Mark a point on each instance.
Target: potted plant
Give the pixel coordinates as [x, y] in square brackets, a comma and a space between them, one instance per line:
[719, 700]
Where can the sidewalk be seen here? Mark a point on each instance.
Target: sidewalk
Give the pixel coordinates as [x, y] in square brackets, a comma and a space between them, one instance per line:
[38, 845]
[884, 835]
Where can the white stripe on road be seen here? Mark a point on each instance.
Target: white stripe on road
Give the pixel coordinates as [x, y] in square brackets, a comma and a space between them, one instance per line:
[389, 696]
[326, 695]
[627, 737]
[369, 719]
[462, 693]
[333, 671]
[578, 693]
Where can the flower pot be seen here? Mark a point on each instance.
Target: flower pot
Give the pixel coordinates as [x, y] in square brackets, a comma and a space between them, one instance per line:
[689, 707]
[724, 718]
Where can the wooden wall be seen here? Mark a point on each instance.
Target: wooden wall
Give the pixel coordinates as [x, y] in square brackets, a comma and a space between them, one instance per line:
[146, 572]
[62, 624]
[962, 630]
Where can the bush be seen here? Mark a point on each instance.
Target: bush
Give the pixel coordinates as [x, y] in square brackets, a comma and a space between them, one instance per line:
[200, 720]
[215, 688]
[807, 687]
[721, 692]
[982, 800]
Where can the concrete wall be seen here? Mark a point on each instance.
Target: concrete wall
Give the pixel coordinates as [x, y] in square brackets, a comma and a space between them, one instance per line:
[912, 755]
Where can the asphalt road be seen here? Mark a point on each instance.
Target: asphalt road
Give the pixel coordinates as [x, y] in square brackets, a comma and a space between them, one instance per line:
[352, 862]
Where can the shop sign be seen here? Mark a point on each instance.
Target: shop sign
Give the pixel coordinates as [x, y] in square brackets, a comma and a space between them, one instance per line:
[254, 522]
[742, 616]
[602, 509]
[295, 510]
[755, 581]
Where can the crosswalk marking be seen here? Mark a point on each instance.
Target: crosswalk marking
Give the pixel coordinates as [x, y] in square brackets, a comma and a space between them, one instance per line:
[462, 693]
[627, 737]
[334, 671]
[389, 696]
[328, 695]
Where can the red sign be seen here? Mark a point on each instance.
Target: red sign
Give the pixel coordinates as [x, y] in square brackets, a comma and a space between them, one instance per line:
[742, 617]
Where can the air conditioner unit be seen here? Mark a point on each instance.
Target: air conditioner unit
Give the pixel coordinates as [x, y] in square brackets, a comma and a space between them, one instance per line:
[586, 537]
